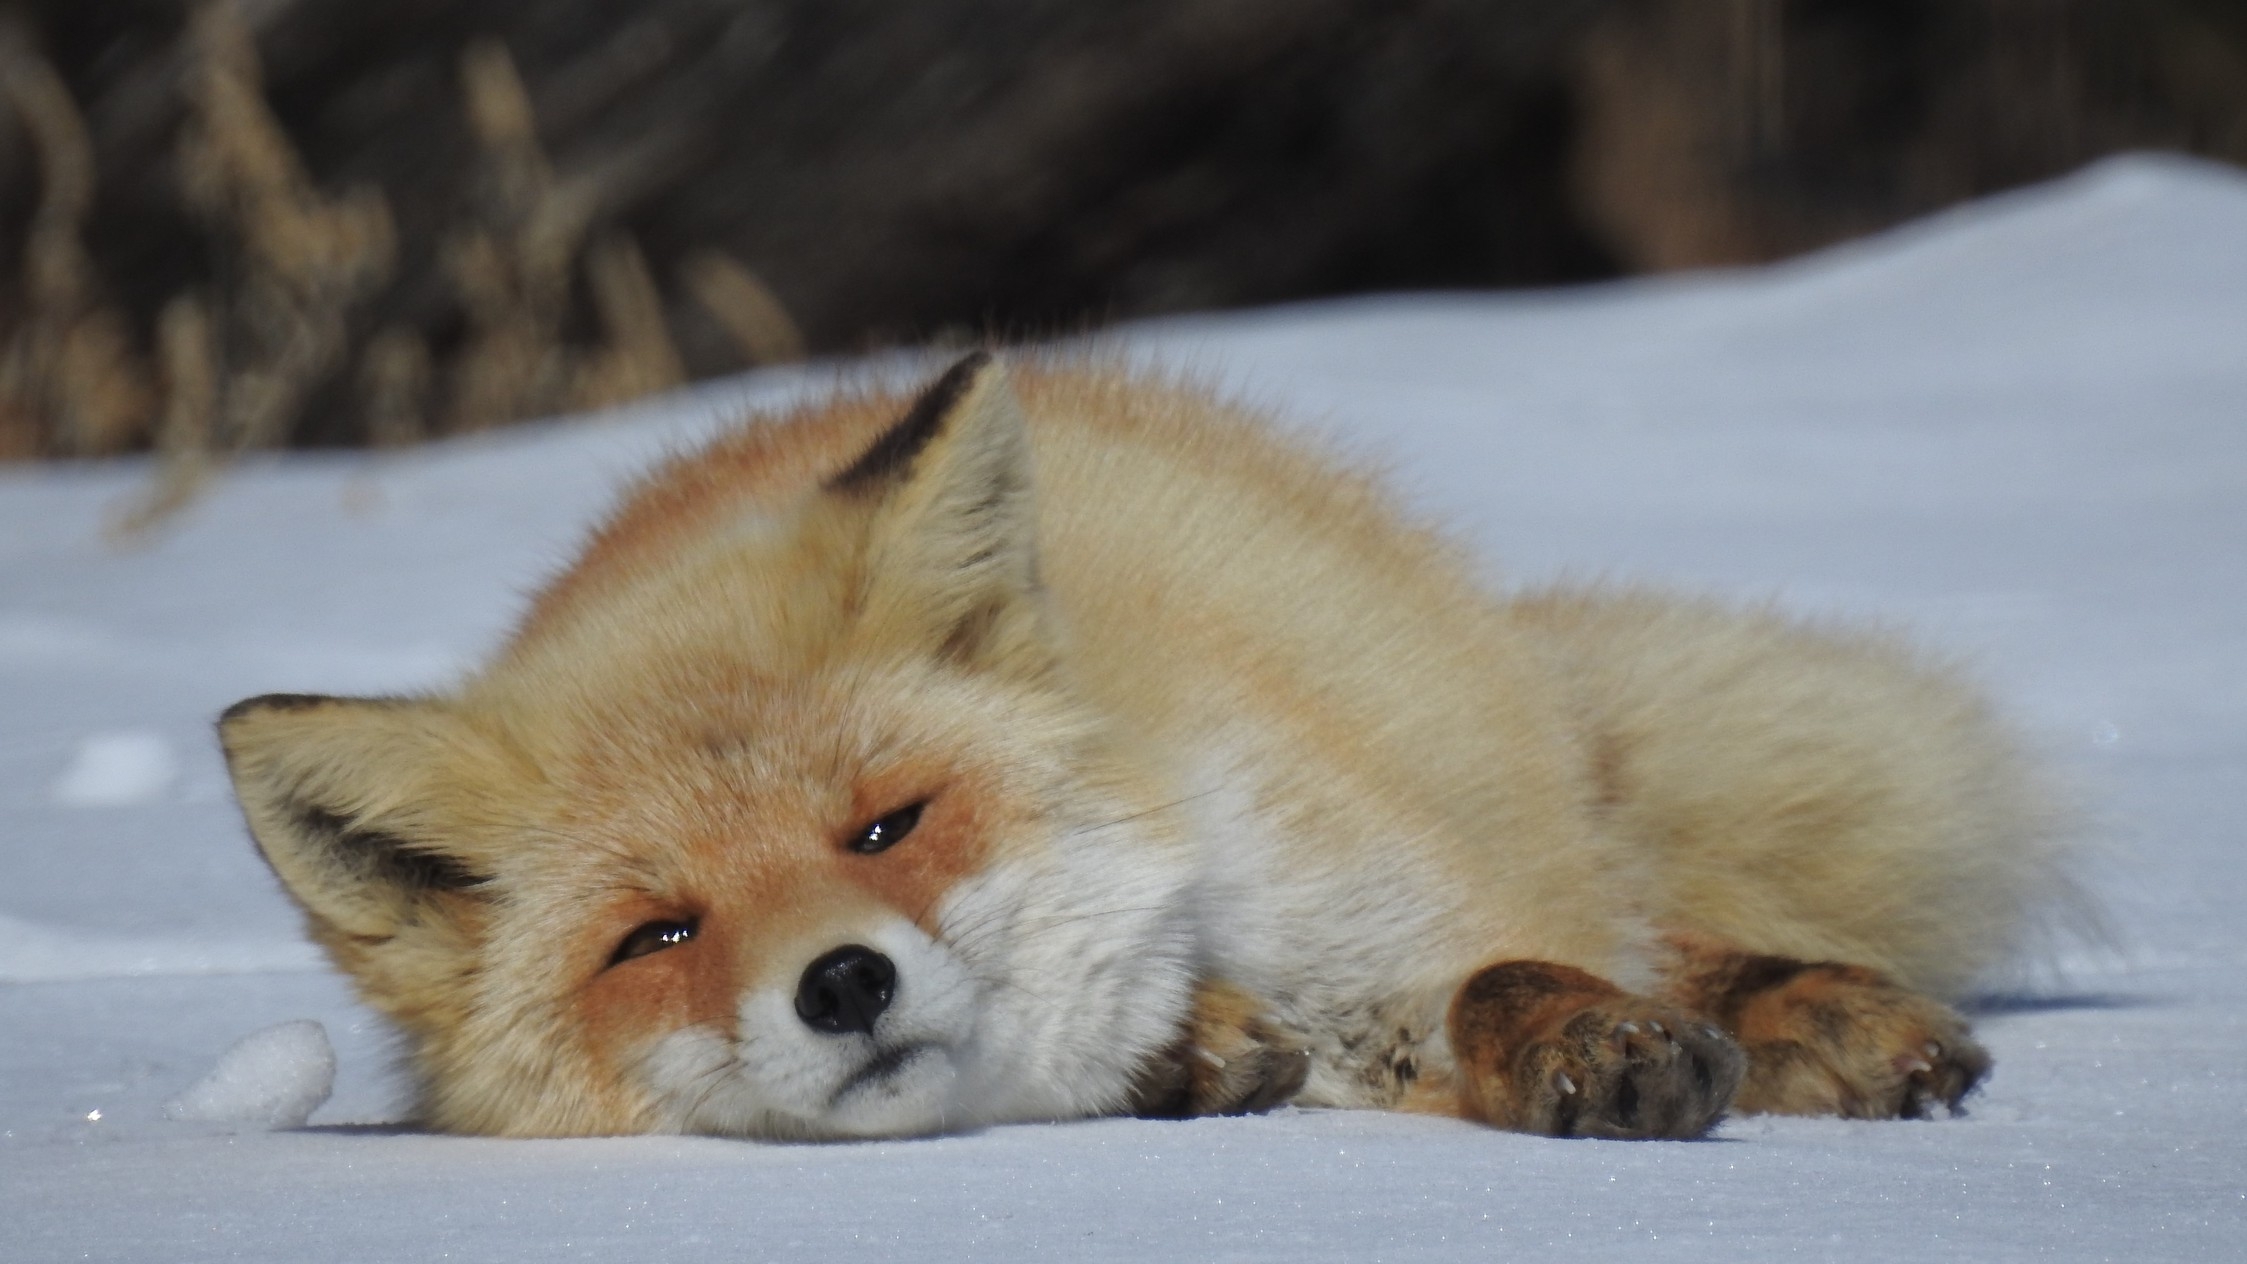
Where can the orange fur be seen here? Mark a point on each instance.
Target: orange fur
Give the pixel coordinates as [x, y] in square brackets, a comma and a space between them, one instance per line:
[1218, 782]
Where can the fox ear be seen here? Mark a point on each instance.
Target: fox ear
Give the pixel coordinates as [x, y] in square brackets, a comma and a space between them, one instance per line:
[347, 799]
[952, 556]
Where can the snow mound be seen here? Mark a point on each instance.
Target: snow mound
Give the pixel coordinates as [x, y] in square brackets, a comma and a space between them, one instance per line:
[274, 1078]
[112, 769]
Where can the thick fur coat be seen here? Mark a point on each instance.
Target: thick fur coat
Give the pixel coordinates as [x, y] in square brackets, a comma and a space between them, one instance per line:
[1064, 743]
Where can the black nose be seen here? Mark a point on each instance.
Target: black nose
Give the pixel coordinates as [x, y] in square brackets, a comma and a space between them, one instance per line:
[846, 990]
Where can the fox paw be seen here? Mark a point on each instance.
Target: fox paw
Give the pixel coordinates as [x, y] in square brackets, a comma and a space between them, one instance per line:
[1840, 1040]
[1627, 1068]
[1231, 1060]
[1254, 1077]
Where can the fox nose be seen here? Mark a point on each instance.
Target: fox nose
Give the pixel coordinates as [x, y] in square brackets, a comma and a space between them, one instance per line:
[846, 990]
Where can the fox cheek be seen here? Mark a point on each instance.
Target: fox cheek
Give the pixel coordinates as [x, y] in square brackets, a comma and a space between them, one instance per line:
[691, 984]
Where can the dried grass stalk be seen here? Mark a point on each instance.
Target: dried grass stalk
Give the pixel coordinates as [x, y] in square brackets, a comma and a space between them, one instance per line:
[512, 279]
[755, 317]
[394, 378]
[638, 358]
[305, 261]
[69, 369]
[514, 268]
[187, 347]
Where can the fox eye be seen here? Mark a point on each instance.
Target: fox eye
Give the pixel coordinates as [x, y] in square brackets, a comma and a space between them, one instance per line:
[886, 832]
[653, 937]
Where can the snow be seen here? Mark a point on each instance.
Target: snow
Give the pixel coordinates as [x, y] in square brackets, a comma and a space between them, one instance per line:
[2018, 429]
[117, 768]
[274, 1077]
[33, 952]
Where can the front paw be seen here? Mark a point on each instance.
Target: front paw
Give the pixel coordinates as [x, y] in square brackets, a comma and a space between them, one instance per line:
[1255, 1073]
[1232, 1059]
[1840, 1040]
[1627, 1068]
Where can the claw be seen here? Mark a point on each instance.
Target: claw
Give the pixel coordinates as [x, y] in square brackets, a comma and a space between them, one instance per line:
[1566, 1085]
[1627, 1028]
[1934, 1049]
[1914, 1066]
[1656, 1027]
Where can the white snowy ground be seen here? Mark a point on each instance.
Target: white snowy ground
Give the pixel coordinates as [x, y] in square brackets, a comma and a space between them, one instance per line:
[2020, 429]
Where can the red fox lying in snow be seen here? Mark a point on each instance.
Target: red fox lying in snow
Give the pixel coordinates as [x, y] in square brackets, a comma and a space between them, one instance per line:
[1075, 745]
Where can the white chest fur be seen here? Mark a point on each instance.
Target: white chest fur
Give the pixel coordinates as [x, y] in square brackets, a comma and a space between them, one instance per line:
[1336, 946]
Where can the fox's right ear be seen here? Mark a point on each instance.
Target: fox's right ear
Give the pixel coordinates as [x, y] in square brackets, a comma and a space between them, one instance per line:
[348, 799]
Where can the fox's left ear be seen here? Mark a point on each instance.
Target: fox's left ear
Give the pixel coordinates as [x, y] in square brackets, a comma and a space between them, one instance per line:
[952, 552]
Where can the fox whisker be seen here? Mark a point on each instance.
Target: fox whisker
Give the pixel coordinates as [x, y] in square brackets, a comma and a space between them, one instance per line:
[1142, 813]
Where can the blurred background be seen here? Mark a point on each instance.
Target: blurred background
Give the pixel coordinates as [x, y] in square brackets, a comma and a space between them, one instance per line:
[239, 224]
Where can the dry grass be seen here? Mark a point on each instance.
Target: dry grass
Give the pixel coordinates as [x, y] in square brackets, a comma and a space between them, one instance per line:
[69, 382]
[303, 262]
[196, 258]
[289, 316]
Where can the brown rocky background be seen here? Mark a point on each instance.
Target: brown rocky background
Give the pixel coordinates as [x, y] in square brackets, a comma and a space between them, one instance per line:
[232, 224]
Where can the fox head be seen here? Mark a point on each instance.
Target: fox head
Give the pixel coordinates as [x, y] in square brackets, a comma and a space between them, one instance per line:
[782, 815]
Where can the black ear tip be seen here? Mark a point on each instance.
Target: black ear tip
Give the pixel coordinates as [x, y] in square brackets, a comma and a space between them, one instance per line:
[969, 365]
[952, 383]
[891, 456]
[273, 702]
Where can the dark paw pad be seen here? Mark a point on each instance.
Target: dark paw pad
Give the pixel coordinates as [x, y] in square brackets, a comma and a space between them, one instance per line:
[1630, 1070]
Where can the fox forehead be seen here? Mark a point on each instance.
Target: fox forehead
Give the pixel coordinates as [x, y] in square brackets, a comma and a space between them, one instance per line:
[754, 741]
[751, 486]
[762, 605]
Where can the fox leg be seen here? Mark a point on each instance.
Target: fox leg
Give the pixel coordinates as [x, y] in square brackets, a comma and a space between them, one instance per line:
[1229, 1060]
[1824, 1038]
[1550, 1049]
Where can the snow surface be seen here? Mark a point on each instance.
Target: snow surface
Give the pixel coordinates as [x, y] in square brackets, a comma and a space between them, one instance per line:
[2019, 429]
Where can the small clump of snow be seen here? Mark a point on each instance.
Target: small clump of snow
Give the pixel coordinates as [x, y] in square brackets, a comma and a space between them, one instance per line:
[114, 769]
[273, 1078]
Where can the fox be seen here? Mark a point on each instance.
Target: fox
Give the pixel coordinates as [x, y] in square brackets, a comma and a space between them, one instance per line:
[1061, 741]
